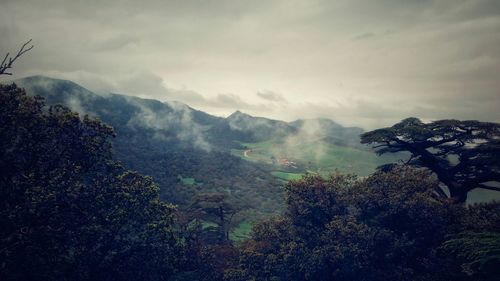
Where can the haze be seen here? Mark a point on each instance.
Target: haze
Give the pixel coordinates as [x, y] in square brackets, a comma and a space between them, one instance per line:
[363, 63]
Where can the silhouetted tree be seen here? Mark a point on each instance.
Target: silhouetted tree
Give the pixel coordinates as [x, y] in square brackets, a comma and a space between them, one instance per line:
[464, 155]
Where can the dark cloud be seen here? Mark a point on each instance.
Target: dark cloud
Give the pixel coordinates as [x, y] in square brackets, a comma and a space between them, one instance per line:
[271, 96]
[363, 36]
[431, 59]
[116, 42]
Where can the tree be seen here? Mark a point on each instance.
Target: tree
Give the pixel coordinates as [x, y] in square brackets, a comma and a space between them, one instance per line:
[480, 253]
[216, 208]
[68, 211]
[8, 60]
[388, 226]
[464, 155]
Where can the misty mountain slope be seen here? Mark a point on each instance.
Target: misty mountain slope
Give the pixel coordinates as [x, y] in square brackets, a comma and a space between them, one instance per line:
[299, 154]
[330, 132]
[169, 141]
[174, 123]
[313, 145]
[257, 129]
[179, 124]
[179, 145]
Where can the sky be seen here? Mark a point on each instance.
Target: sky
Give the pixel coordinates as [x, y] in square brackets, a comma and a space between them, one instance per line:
[360, 63]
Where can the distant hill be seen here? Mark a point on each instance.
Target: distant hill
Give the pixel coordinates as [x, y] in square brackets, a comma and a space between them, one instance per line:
[188, 151]
[258, 128]
[183, 149]
[175, 124]
[180, 125]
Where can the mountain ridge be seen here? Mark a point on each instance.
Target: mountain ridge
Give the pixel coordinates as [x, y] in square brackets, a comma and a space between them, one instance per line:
[240, 126]
[188, 151]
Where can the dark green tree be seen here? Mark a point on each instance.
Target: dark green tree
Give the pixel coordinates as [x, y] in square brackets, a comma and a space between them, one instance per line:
[388, 226]
[217, 208]
[464, 155]
[67, 210]
[479, 252]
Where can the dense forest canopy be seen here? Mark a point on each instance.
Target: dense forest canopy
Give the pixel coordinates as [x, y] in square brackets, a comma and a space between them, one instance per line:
[389, 226]
[67, 209]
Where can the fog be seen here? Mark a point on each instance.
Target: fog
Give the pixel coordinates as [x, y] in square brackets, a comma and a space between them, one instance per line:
[360, 63]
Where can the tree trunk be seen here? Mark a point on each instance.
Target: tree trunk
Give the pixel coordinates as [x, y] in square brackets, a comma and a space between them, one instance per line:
[458, 195]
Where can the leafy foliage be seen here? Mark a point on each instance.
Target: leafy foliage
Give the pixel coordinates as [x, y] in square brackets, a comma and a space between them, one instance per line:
[389, 226]
[159, 139]
[480, 253]
[67, 210]
[216, 208]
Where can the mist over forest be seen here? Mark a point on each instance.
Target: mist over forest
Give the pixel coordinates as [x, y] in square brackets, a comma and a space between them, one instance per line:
[249, 140]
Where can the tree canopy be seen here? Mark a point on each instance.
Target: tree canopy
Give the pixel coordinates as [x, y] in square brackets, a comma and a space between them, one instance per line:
[464, 155]
[68, 211]
[216, 208]
[389, 226]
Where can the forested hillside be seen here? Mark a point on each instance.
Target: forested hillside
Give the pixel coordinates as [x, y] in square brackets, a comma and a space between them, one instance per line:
[70, 211]
[172, 141]
[274, 140]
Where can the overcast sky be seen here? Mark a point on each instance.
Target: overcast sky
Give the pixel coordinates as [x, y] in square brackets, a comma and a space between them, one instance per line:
[364, 63]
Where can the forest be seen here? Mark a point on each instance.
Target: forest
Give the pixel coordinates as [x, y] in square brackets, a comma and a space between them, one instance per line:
[70, 210]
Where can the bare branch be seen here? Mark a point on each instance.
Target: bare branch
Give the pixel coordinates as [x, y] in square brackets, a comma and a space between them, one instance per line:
[409, 160]
[483, 186]
[5, 59]
[4, 66]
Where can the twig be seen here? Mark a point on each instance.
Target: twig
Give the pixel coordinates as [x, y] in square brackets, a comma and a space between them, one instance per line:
[7, 65]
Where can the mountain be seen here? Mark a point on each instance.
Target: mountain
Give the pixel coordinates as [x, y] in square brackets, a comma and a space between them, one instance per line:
[180, 147]
[178, 124]
[188, 151]
[171, 124]
[258, 128]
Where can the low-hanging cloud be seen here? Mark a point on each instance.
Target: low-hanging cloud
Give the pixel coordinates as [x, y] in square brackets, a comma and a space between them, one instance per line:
[178, 121]
[365, 63]
[271, 96]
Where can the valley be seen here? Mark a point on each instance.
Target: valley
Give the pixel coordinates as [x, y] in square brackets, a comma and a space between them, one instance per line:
[249, 140]
[190, 153]
[309, 155]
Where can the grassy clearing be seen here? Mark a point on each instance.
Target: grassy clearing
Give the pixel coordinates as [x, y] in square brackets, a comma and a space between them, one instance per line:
[482, 195]
[207, 224]
[241, 232]
[287, 176]
[316, 156]
[187, 181]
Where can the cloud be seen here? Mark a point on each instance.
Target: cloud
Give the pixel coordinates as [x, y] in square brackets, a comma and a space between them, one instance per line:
[363, 36]
[178, 122]
[271, 96]
[115, 43]
[150, 85]
[431, 59]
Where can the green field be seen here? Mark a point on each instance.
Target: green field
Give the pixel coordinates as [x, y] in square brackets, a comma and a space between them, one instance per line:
[207, 224]
[187, 181]
[314, 155]
[287, 176]
[241, 232]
